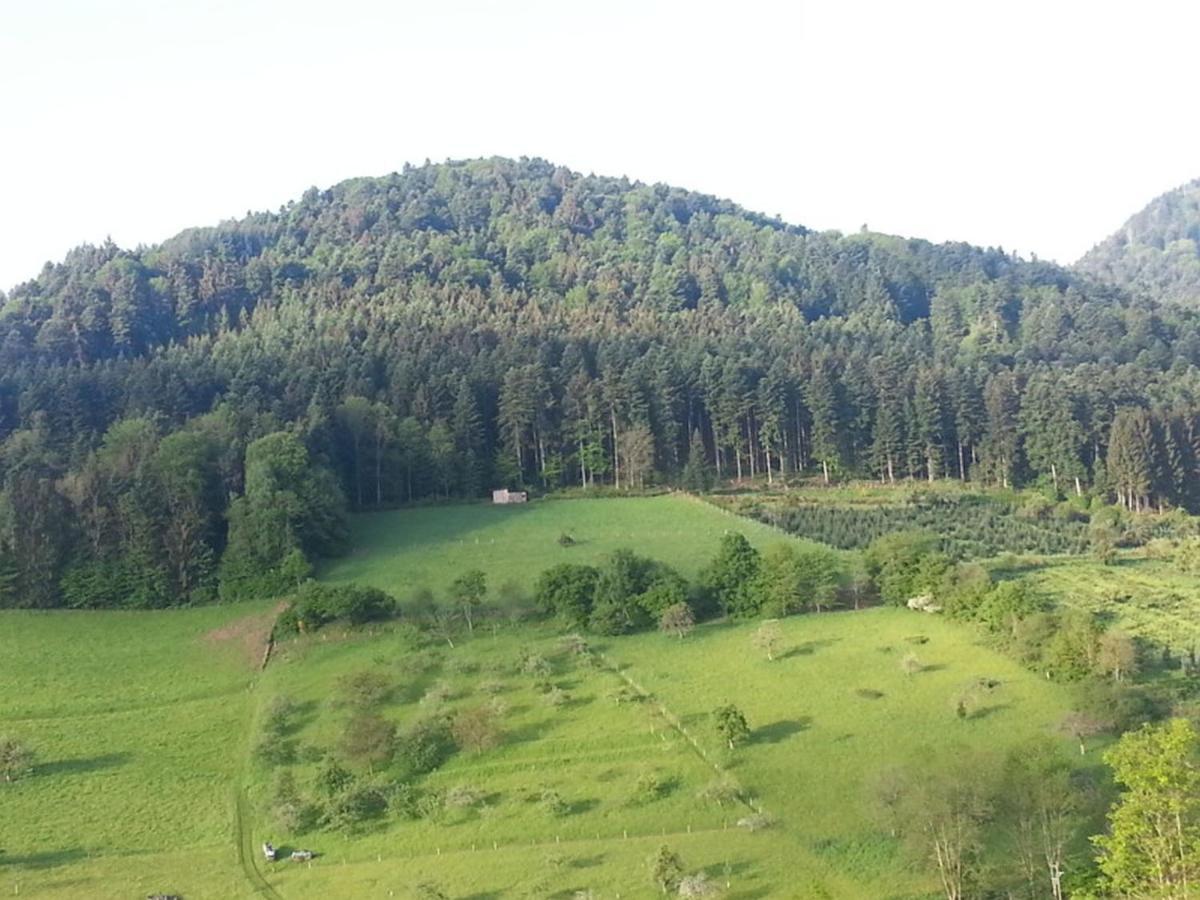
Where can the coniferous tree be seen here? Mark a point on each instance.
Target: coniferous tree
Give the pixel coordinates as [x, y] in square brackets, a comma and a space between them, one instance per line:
[823, 402]
[1001, 440]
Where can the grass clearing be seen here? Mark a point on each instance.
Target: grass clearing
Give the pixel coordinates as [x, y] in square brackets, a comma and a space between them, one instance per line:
[1146, 597]
[407, 549]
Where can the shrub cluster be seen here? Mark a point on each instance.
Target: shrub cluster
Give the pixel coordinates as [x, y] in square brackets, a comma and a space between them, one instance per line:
[317, 605]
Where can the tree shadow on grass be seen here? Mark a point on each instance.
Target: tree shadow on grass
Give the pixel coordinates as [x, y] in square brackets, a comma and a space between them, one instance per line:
[82, 765]
[304, 713]
[931, 667]
[808, 648]
[984, 711]
[587, 862]
[47, 859]
[577, 807]
[781, 730]
[530, 732]
[734, 869]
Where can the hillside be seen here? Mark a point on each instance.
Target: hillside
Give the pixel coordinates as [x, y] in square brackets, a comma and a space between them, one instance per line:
[1156, 253]
[166, 756]
[193, 418]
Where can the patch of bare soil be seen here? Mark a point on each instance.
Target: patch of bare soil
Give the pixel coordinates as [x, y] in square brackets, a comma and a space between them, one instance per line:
[249, 636]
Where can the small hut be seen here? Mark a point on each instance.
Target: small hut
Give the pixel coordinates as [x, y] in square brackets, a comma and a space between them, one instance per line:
[504, 495]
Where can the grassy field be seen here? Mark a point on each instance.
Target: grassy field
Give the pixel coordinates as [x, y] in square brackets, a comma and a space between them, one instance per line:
[817, 743]
[408, 549]
[143, 723]
[138, 720]
[1143, 596]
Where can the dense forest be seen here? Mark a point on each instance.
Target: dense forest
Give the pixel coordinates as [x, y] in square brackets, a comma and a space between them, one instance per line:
[1157, 252]
[192, 419]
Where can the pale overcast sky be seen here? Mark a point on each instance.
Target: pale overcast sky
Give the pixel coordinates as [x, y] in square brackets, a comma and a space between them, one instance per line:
[1038, 126]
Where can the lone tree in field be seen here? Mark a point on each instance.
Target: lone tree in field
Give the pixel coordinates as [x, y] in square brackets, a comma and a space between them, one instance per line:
[911, 664]
[476, 729]
[666, 869]
[467, 593]
[721, 791]
[368, 740]
[365, 689]
[16, 758]
[1081, 726]
[767, 638]
[1116, 655]
[677, 620]
[731, 725]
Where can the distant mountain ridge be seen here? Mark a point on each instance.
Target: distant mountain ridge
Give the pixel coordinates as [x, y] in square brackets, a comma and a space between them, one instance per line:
[1156, 253]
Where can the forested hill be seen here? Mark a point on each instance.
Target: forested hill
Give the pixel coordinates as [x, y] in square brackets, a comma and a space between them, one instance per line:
[1157, 252]
[178, 420]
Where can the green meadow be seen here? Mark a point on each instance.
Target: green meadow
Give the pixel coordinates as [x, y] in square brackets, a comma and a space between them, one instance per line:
[144, 723]
[827, 716]
[1145, 596]
[138, 720]
[408, 549]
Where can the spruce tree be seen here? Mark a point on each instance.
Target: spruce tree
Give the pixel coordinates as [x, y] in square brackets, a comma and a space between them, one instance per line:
[697, 476]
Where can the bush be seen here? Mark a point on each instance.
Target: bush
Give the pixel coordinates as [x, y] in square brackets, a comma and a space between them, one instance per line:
[437, 694]
[722, 791]
[368, 739]
[316, 605]
[553, 802]
[365, 689]
[905, 565]
[290, 813]
[756, 822]
[424, 746]
[356, 804]
[16, 758]
[568, 592]
[463, 796]
[476, 729]
[648, 788]
[277, 720]
[274, 750]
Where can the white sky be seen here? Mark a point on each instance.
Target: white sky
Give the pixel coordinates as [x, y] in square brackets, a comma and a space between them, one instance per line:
[1038, 126]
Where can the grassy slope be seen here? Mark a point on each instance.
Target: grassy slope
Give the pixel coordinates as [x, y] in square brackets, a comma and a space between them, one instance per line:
[817, 745]
[137, 721]
[1146, 597]
[413, 548]
[143, 725]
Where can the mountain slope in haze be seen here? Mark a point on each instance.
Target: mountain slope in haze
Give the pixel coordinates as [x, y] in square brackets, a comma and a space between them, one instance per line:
[1156, 253]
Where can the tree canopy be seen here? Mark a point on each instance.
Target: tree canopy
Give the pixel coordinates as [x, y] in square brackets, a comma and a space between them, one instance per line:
[450, 328]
